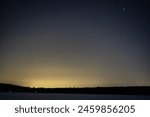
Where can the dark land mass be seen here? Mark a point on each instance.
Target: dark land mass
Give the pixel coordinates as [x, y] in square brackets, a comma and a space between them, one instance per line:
[131, 90]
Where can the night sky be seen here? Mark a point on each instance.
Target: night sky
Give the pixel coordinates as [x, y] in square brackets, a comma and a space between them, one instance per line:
[75, 43]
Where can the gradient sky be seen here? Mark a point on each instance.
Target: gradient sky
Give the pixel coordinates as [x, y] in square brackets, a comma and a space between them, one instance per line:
[75, 43]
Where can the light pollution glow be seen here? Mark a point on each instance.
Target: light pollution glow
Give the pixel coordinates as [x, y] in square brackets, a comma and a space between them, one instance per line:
[75, 43]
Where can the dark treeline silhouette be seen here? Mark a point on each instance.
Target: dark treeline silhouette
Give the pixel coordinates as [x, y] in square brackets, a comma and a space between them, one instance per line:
[130, 90]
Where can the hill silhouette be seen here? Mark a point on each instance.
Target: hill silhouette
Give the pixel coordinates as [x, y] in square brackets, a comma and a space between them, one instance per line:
[130, 90]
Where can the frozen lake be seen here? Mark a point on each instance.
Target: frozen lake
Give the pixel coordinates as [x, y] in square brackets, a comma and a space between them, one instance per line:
[53, 96]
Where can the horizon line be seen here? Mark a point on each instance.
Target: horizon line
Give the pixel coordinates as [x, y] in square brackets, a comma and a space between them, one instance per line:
[74, 86]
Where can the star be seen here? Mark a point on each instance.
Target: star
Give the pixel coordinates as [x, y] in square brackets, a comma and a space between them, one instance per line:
[124, 9]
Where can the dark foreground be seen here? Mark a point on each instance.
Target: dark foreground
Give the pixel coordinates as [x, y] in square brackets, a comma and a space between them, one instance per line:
[14, 92]
[53, 96]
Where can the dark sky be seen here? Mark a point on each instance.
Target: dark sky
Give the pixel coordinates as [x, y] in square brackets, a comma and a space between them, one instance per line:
[75, 43]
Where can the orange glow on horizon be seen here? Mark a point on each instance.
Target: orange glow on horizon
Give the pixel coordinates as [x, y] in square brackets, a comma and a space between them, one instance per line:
[60, 83]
